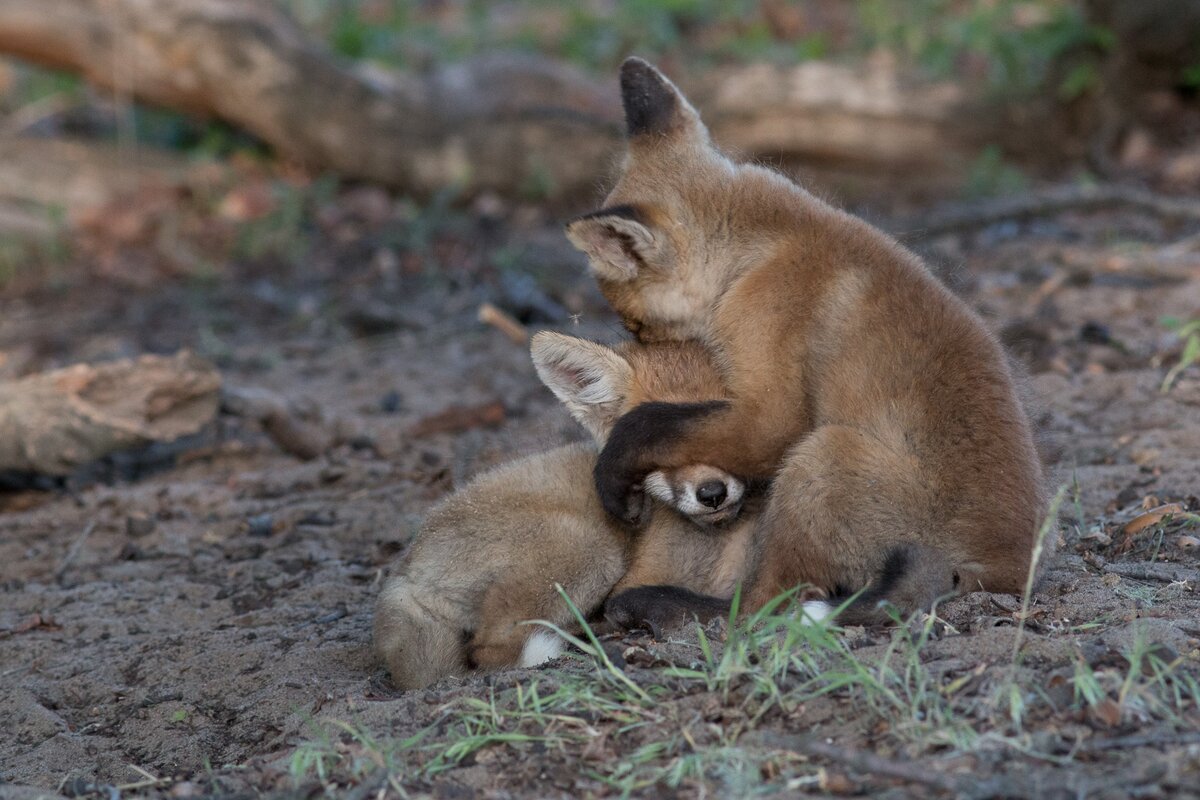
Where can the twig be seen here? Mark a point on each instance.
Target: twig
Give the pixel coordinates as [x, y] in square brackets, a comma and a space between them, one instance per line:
[504, 323]
[1048, 202]
[871, 764]
[34, 112]
[74, 551]
[1031, 784]
[148, 776]
[147, 781]
[1122, 742]
[1166, 573]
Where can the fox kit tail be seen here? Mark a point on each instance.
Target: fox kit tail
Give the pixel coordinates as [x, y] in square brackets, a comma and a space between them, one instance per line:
[417, 647]
[913, 578]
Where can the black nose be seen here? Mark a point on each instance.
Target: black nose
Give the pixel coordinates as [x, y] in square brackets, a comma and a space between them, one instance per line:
[711, 493]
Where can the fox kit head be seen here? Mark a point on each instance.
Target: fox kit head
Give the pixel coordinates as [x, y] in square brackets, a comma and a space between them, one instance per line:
[682, 221]
[598, 384]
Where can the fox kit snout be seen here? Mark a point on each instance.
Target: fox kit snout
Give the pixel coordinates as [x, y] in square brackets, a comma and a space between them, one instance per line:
[488, 557]
[879, 405]
[708, 495]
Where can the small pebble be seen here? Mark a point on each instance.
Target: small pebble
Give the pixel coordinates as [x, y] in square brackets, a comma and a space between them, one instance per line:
[139, 524]
[184, 789]
[1095, 333]
[391, 402]
[261, 525]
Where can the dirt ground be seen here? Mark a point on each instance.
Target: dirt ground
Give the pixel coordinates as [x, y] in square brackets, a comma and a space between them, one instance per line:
[193, 614]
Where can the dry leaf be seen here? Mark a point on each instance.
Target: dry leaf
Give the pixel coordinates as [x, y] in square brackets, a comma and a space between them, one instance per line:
[835, 782]
[457, 419]
[1097, 535]
[1108, 713]
[1151, 517]
[249, 202]
[34, 622]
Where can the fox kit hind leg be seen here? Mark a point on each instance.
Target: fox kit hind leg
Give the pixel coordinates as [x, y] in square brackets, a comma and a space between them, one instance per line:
[841, 502]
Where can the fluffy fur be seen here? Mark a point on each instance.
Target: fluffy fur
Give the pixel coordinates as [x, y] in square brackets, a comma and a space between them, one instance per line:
[488, 557]
[879, 404]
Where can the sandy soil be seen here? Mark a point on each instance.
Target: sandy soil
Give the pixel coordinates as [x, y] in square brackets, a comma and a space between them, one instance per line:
[196, 619]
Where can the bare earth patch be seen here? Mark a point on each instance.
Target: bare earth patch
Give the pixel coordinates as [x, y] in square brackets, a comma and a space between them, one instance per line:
[204, 627]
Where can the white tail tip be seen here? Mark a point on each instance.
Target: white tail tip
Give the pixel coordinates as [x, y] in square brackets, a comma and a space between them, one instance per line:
[816, 611]
[540, 647]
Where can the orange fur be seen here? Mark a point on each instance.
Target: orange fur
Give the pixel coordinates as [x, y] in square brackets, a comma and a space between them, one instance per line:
[878, 402]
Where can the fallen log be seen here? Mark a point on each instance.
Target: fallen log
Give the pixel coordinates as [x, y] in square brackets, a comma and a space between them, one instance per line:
[516, 125]
[502, 123]
[53, 422]
[823, 112]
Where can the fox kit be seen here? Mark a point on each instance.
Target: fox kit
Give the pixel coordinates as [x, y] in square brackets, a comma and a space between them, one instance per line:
[878, 404]
[487, 557]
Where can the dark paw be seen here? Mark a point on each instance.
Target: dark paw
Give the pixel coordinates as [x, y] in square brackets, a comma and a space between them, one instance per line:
[659, 608]
[622, 497]
[638, 506]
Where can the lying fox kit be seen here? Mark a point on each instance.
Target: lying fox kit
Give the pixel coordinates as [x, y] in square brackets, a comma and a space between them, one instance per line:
[876, 401]
[488, 557]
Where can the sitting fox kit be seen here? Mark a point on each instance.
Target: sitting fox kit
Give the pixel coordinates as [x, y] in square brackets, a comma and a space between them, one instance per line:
[878, 404]
[488, 557]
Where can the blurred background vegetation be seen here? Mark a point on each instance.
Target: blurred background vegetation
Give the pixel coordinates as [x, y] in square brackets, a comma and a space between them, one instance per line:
[1010, 43]
[1076, 90]
[1009, 47]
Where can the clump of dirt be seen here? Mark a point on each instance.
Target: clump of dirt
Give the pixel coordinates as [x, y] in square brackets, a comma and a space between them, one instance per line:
[199, 616]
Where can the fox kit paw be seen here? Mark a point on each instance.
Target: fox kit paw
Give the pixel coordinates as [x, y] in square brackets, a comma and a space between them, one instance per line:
[660, 608]
[622, 496]
[630, 453]
[638, 507]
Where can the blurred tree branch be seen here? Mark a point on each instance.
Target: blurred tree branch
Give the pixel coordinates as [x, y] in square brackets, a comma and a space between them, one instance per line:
[489, 124]
[517, 125]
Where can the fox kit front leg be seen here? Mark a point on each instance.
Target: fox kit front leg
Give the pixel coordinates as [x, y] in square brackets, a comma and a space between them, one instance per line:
[666, 436]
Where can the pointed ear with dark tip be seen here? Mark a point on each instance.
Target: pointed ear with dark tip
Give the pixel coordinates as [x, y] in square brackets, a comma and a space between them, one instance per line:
[591, 380]
[653, 106]
[616, 243]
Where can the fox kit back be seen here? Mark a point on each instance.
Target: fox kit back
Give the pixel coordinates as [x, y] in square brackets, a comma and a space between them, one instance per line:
[878, 403]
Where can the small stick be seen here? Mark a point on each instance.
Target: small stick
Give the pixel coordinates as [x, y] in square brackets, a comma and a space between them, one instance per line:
[1048, 202]
[504, 323]
[1122, 742]
[147, 781]
[148, 776]
[74, 551]
[1167, 573]
[871, 764]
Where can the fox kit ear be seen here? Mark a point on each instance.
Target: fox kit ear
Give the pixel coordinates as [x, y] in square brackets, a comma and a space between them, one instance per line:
[591, 380]
[653, 106]
[615, 241]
